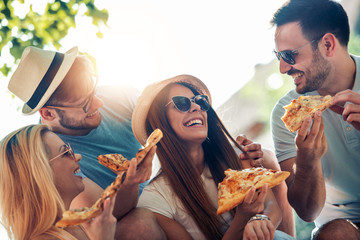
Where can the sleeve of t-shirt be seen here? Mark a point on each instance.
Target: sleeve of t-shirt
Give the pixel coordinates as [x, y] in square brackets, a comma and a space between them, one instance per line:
[155, 200]
[284, 140]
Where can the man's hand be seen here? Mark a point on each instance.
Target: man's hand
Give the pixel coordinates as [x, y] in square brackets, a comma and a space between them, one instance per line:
[139, 174]
[252, 151]
[351, 112]
[311, 145]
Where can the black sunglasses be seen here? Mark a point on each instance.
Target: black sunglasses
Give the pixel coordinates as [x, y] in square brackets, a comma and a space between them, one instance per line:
[289, 55]
[183, 104]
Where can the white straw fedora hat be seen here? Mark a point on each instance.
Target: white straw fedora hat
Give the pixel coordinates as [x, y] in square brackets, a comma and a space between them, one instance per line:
[38, 75]
[147, 97]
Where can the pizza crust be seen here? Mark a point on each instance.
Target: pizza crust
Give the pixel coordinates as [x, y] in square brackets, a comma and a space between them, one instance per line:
[237, 184]
[303, 106]
[118, 163]
[81, 215]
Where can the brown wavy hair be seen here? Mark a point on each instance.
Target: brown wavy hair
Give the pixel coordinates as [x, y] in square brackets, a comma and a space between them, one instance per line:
[178, 168]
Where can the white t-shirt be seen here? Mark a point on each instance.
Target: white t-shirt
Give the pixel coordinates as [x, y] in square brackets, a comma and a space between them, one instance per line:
[160, 198]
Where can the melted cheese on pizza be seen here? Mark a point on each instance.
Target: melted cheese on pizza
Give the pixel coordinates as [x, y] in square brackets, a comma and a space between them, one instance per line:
[299, 109]
[241, 181]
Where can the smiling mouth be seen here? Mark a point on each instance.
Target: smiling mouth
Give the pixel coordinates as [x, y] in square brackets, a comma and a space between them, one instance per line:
[193, 123]
[77, 172]
[92, 114]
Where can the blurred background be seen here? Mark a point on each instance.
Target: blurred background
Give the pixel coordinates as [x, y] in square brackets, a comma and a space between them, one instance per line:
[226, 44]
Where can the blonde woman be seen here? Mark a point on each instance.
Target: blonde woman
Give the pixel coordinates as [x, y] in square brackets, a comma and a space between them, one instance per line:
[38, 180]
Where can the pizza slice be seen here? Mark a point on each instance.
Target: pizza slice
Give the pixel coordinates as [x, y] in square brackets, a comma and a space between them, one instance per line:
[77, 216]
[114, 161]
[237, 184]
[118, 163]
[303, 106]
[152, 140]
[81, 215]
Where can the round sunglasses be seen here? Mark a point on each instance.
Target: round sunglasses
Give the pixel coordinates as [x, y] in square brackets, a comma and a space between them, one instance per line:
[183, 104]
[289, 55]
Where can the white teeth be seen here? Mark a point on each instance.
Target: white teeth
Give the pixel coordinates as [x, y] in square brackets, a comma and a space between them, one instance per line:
[193, 122]
[296, 75]
[77, 171]
[90, 115]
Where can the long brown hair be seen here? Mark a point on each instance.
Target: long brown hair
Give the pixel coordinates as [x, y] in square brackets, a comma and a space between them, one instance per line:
[181, 172]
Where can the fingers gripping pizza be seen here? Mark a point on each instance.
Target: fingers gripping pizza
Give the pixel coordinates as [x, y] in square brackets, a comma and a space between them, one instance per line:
[80, 215]
[299, 109]
[236, 184]
[117, 162]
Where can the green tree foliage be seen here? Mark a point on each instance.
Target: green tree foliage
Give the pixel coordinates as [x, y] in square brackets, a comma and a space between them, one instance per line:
[22, 26]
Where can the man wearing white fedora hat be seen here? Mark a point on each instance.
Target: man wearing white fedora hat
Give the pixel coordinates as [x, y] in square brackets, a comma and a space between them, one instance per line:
[62, 87]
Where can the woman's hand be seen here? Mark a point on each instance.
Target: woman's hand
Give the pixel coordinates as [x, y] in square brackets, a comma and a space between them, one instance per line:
[259, 229]
[103, 226]
[252, 151]
[253, 203]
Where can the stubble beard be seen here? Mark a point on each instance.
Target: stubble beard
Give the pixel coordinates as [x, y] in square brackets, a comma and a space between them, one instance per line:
[316, 74]
[73, 124]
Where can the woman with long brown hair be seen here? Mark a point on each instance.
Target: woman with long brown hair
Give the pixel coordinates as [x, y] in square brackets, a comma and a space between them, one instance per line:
[195, 150]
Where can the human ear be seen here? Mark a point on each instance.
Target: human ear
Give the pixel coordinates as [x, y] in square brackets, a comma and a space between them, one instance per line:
[329, 43]
[47, 114]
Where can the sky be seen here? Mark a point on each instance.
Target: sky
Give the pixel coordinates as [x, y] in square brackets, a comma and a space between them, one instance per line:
[219, 42]
[146, 41]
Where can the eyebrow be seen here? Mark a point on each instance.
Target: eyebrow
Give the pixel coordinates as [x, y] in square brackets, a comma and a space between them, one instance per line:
[62, 148]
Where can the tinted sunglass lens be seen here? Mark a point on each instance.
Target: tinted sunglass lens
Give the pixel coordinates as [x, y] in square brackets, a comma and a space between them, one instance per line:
[288, 57]
[183, 104]
[203, 102]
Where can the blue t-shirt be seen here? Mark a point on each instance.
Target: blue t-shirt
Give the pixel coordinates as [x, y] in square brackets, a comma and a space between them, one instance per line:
[341, 162]
[113, 135]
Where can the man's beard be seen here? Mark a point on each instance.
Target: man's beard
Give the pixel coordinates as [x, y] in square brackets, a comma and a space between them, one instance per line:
[316, 74]
[73, 124]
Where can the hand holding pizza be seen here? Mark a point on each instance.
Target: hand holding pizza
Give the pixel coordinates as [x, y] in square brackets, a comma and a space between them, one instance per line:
[351, 112]
[311, 144]
[104, 225]
[139, 173]
[253, 204]
[251, 151]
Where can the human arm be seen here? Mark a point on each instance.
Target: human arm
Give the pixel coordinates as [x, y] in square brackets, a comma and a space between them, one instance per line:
[306, 186]
[287, 224]
[129, 190]
[173, 230]
[262, 202]
[350, 112]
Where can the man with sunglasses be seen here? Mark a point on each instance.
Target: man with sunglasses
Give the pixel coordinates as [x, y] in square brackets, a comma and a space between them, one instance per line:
[62, 88]
[323, 157]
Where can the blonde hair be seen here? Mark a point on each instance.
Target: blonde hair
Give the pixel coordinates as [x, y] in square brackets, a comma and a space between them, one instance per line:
[30, 202]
